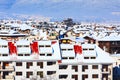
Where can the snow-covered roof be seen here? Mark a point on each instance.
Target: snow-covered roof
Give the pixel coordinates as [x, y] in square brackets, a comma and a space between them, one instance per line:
[80, 39]
[103, 57]
[25, 26]
[93, 50]
[24, 50]
[23, 42]
[4, 50]
[4, 31]
[110, 38]
[3, 42]
[88, 46]
[46, 42]
[15, 25]
[12, 32]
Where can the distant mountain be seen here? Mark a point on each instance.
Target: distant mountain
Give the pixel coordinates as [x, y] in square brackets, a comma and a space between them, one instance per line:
[21, 16]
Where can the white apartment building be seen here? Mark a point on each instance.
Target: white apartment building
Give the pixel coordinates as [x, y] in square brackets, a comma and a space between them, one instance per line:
[66, 61]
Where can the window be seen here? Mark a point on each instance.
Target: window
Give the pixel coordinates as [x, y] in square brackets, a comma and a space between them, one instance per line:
[71, 57]
[20, 54]
[49, 54]
[93, 57]
[64, 58]
[84, 76]
[63, 49]
[63, 66]
[104, 68]
[4, 46]
[75, 68]
[29, 74]
[18, 73]
[64, 41]
[47, 46]
[19, 45]
[91, 49]
[51, 72]
[63, 76]
[40, 73]
[75, 77]
[86, 57]
[42, 54]
[70, 49]
[27, 54]
[84, 67]
[40, 64]
[95, 76]
[29, 64]
[94, 66]
[4, 54]
[51, 63]
[41, 45]
[85, 49]
[26, 45]
[18, 63]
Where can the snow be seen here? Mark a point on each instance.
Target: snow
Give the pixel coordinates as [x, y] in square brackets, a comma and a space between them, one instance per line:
[22, 42]
[4, 50]
[46, 42]
[89, 53]
[88, 46]
[66, 46]
[45, 50]
[24, 50]
[3, 42]
[68, 54]
[110, 38]
[12, 32]
[4, 31]
[25, 27]
[101, 56]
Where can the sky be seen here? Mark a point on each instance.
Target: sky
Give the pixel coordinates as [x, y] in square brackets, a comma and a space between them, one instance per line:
[87, 10]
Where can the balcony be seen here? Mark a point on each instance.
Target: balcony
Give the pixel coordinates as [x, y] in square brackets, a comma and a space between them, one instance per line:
[106, 78]
[7, 68]
[7, 77]
[106, 71]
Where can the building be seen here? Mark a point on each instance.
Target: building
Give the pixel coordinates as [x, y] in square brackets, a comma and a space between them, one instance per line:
[65, 61]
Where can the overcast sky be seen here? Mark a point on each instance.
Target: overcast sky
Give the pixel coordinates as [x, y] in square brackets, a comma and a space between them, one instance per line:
[59, 9]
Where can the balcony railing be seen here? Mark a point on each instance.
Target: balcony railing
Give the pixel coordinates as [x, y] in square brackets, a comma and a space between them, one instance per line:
[106, 71]
[7, 68]
[7, 77]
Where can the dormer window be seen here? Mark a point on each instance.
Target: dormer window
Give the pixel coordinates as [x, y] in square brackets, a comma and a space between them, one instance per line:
[64, 58]
[86, 57]
[41, 45]
[20, 54]
[63, 49]
[4, 54]
[91, 48]
[19, 45]
[93, 57]
[85, 49]
[26, 45]
[70, 49]
[71, 57]
[4, 46]
[47, 46]
[49, 54]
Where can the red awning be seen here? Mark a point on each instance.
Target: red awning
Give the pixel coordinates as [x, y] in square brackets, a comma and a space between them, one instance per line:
[78, 49]
[34, 48]
[12, 48]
